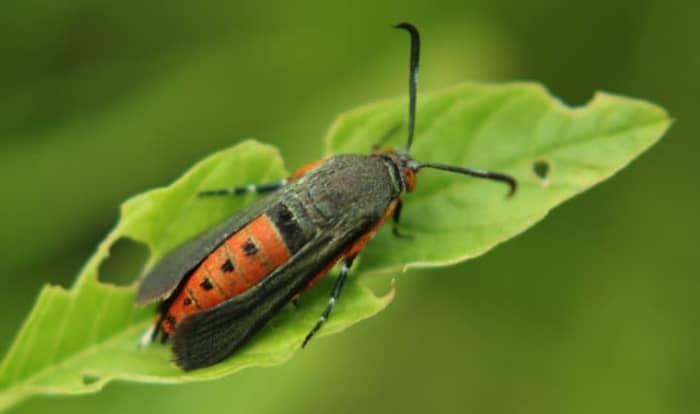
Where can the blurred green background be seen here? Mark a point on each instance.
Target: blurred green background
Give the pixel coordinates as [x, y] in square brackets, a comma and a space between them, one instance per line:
[592, 311]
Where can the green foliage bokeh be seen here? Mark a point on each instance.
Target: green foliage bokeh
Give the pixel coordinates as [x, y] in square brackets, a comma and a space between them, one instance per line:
[592, 311]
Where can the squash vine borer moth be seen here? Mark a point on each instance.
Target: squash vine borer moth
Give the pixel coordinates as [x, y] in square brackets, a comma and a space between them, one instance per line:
[218, 289]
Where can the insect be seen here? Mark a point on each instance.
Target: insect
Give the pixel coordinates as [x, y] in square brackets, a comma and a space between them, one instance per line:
[220, 288]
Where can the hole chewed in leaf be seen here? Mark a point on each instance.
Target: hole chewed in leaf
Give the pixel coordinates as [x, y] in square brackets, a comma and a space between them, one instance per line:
[541, 169]
[125, 262]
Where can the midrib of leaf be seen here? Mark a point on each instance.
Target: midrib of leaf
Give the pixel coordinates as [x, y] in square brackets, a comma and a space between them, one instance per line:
[587, 138]
[506, 165]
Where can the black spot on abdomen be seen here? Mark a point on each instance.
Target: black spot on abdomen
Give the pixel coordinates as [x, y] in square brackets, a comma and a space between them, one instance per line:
[249, 248]
[206, 284]
[227, 266]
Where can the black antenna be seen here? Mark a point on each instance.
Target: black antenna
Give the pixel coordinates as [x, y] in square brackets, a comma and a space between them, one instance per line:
[412, 77]
[412, 82]
[475, 173]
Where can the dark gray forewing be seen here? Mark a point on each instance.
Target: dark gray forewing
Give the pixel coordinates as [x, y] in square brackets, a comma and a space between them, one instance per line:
[166, 275]
[207, 337]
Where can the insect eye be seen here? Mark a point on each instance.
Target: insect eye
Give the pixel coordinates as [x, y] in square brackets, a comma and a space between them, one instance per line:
[410, 177]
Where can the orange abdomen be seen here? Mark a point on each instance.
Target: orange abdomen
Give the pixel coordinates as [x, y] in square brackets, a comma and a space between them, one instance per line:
[242, 261]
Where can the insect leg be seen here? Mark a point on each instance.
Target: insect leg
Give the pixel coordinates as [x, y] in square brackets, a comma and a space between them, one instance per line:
[344, 269]
[262, 188]
[397, 216]
[245, 189]
[148, 336]
[388, 134]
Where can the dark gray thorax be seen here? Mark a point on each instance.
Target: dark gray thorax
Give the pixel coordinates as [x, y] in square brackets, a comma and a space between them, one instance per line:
[349, 189]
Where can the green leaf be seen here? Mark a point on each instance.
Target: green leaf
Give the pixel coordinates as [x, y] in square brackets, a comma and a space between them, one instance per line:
[76, 340]
[506, 128]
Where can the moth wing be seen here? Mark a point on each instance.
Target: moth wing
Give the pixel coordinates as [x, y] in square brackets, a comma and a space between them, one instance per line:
[209, 336]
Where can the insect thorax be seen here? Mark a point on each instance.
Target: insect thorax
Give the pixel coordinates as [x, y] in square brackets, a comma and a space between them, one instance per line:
[351, 187]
